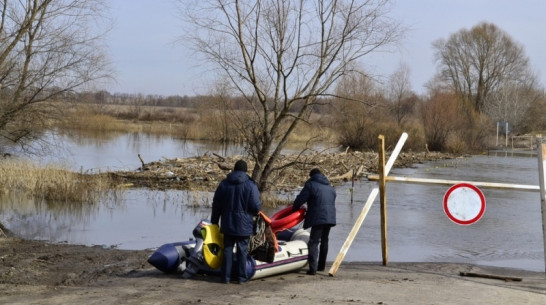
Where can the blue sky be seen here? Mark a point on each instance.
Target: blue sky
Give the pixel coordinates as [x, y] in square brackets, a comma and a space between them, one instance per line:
[147, 60]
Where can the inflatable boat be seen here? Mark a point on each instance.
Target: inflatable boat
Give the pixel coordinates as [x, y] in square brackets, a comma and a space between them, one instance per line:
[203, 253]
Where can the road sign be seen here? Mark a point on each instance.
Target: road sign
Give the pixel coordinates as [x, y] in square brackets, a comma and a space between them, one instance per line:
[464, 203]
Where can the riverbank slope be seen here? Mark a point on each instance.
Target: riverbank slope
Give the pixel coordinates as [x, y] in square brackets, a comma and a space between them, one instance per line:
[35, 272]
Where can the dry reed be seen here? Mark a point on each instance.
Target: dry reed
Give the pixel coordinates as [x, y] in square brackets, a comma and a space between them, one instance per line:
[51, 182]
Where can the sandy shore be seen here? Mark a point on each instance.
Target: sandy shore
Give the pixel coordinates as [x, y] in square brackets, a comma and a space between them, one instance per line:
[33, 272]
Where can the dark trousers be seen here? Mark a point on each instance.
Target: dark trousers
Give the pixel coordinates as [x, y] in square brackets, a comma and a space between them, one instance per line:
[317, 254]
[241, 257]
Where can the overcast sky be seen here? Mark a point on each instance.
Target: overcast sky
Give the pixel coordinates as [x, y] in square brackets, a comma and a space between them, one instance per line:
[147, 61]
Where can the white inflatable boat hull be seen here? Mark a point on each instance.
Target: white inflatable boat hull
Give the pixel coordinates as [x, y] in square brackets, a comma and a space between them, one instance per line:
[186, 258]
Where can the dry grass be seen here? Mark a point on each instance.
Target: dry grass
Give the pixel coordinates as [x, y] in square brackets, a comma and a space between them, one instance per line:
[51, 182]
[182, 123]
[82, 120]
[273, 200]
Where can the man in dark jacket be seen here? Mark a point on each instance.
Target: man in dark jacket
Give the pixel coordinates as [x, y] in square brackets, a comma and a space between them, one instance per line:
[320, 197]
[236, 201]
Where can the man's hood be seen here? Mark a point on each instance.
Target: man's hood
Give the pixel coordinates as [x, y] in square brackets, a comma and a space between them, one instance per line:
[320, 179]
[237, 177]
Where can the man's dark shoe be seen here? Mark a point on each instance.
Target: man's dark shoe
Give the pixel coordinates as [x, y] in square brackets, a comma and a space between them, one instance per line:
[309, 272]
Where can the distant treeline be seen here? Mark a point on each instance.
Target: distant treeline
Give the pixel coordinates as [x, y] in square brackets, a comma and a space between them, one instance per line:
[105, 97]
[200, 101]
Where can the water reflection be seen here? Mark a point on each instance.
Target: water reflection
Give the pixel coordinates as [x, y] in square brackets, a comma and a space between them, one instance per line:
[120, 151]
[44, 220]
[139, 219]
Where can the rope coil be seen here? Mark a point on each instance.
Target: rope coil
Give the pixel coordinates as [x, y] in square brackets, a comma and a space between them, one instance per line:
[258, 239]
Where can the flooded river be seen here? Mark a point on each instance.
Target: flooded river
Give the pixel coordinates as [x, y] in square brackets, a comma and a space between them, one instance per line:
[508, 235]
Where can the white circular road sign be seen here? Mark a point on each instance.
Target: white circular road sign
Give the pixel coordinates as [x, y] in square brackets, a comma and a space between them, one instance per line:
[464, 203]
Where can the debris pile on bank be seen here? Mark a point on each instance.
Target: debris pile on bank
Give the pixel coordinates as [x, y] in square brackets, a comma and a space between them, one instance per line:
[203, 173]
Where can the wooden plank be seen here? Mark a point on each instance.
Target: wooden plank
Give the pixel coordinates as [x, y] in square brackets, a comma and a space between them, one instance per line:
[523, 187]
[366, 208]
[491, 276]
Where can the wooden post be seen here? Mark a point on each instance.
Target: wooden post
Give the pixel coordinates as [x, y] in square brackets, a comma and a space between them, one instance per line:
[353, 184]
[383, 200]
[366, 208]
[541, 152]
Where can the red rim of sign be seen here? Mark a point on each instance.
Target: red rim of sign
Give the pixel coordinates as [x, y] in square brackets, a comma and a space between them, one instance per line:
[455, 219]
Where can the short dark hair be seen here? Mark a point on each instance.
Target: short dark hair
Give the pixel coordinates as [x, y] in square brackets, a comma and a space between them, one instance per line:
[314, 171]
[240, 166]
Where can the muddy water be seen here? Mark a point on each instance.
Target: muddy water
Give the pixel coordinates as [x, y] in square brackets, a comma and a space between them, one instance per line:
[508, 235]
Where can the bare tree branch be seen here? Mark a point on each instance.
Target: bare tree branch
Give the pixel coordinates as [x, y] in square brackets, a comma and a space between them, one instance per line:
[47, 49]
[283, 57]
[477, 62]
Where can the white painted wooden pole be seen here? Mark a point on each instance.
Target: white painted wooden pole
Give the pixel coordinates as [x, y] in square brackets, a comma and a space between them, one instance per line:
[541, 152]
[366, 208]
[521, 187]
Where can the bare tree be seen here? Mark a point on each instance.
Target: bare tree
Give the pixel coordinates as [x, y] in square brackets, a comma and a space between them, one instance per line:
[399, 93]
[534, 118]
[441, 118]
[358, 111]
[47, 49]
[511, 103]
[283, 57]
[477, 62]
[222, 99]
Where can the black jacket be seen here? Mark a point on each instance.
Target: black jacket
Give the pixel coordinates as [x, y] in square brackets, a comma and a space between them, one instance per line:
[320, 197]
[236, 201]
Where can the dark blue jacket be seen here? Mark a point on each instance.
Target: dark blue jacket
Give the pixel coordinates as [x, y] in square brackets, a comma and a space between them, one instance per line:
[321, 202]
[236, 201]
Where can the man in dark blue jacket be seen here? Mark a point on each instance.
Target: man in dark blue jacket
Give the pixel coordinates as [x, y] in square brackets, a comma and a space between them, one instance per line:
[320, 197]
[236, 201]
